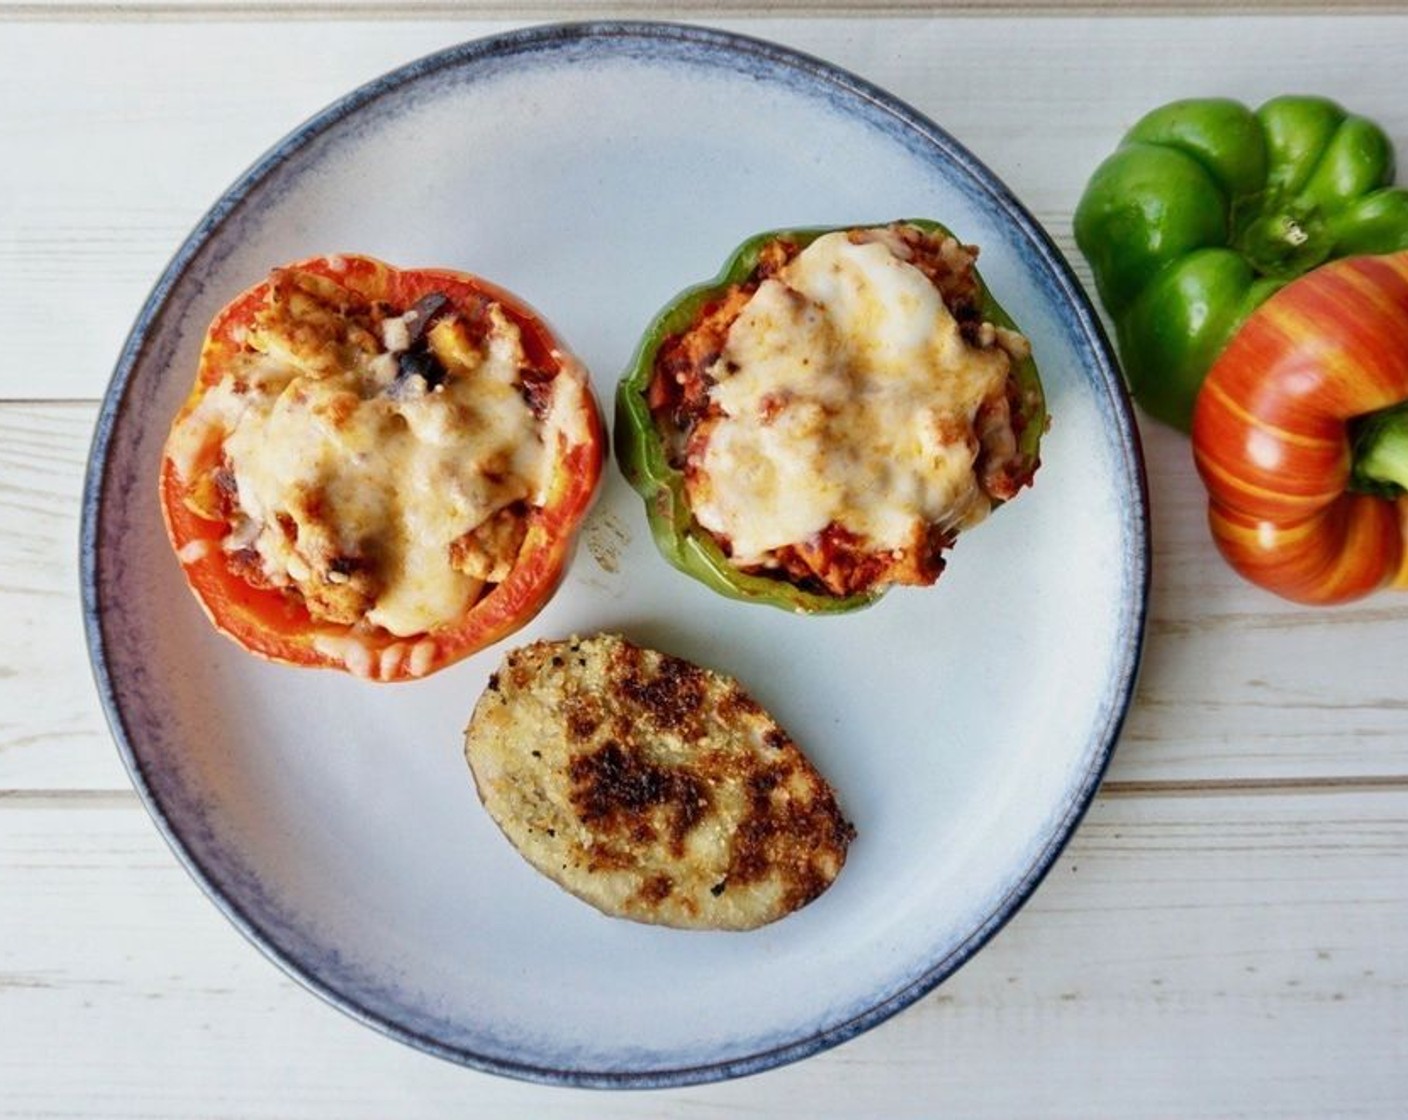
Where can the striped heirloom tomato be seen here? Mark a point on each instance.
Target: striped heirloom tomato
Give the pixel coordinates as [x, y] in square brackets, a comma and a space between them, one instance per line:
[1300, 433]
[379, 470]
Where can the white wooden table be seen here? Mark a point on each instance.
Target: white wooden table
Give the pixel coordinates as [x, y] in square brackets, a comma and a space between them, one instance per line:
[1226, 936]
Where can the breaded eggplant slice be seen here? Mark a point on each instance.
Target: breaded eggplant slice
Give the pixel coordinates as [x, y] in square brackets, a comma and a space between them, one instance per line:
[652, 788]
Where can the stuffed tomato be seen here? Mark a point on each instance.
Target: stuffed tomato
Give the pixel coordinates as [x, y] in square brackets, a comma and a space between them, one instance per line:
[379, 470]
[821, 421]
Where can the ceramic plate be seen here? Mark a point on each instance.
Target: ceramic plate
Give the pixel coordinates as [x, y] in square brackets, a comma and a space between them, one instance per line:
[596, 170]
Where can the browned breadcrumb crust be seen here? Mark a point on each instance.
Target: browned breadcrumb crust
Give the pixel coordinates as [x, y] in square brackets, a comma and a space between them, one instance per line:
[670, 786]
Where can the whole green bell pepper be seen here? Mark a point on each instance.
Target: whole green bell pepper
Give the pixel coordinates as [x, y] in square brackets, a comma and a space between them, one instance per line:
[643, 449]
[1207, 208]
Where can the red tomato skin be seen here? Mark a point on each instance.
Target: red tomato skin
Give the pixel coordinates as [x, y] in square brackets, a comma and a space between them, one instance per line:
[1271, 434]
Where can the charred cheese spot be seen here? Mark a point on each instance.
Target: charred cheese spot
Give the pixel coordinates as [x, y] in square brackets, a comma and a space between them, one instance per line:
[652, 788]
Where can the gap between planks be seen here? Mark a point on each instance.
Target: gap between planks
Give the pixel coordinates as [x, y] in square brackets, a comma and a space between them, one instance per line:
[1251, 787]
[62, 799]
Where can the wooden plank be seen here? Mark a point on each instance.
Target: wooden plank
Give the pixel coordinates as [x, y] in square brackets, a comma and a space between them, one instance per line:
[52, 733]
[90, 225]
[1237, 682]
[1191, 957]
[1236, 686]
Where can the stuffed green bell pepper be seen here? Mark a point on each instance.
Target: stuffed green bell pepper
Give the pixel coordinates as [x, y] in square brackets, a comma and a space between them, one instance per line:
[819, 422]
[1208, 207]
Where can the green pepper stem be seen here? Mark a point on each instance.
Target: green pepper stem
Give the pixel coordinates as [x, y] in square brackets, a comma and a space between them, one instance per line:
[1380, 449]
[1285, 243]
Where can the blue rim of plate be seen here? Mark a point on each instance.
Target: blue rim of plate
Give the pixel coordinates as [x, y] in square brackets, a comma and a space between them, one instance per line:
[842, 86]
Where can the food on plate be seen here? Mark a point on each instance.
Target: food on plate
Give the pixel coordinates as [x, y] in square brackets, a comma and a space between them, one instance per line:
[1208, 207]
[822, 420]
[1301, 435]
[379, 470]
[652, 788]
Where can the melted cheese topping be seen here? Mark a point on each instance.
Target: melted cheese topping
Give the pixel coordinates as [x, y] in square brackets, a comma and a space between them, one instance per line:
[390, 476]
[848, 396]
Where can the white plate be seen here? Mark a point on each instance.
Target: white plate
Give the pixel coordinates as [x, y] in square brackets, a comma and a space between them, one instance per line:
[595, 170]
